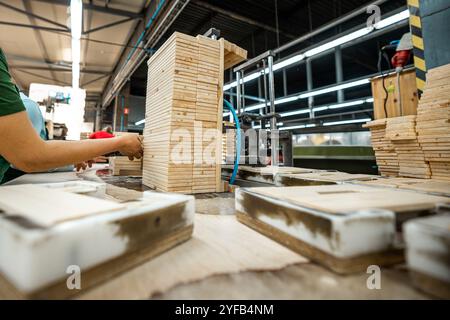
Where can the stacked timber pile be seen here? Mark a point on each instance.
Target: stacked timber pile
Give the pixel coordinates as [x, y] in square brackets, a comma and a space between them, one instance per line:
[433, 122]
[228, 146]
[182, 142]
[122, 166]
[387, 159]
[411, 159]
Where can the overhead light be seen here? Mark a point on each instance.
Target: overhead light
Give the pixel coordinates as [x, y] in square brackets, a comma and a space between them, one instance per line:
[392, 19]
[369, 100]
[346, 122]
[339, 41]
[335, 88]
[76, 22]
[139, 122]
[318, 109]
[329, 45]
[286, 100]
[302, 126]
[293, 113]
[288, 62]
[346, 104]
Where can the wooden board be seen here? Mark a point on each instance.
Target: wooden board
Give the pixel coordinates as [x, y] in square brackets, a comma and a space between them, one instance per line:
[346, 198]
[431, 186]
[183, 128]
[43, 206]
[219, 245]
[319, 178]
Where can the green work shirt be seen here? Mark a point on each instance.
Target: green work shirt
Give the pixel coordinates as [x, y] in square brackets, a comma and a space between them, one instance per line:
[10, 102]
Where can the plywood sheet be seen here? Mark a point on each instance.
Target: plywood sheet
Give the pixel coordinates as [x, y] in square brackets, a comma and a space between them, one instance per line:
[47, 207]
[220, 245]
[342, 199]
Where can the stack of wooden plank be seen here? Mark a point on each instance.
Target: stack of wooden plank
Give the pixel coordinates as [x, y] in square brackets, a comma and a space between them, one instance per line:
[122, 166]
[228, 146]
[387, 159]
[320, 178]
[182, 135]
[433, 122]
[411, 158]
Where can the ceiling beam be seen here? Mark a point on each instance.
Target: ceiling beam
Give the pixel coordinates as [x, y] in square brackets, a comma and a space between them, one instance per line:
[93, 7]
[239, 17]
[58, 69]
[109, 25]
[39, 40]
[28, 13]
[21, 25]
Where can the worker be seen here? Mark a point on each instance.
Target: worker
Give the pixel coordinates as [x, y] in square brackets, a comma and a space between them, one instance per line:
[22, 147]
[105, 133]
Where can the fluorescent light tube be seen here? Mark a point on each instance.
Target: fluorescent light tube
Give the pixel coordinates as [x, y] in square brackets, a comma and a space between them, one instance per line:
[392, 19]
[76, 21]
[346, 104]
[335, 88]
[302, 126]
[139, 122]
[293, 113]
[346, 122]
[339, 41]
[288, 62]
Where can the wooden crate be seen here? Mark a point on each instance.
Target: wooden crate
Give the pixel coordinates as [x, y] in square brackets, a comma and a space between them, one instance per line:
[184, 114]
[408, 94]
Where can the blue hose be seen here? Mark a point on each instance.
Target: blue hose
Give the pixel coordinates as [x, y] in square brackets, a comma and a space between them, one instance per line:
[238, 140]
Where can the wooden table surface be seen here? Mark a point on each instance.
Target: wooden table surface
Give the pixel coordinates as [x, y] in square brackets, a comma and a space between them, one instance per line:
[303, 281]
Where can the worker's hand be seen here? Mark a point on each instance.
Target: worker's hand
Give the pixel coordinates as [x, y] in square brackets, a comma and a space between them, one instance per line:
[84, 165]
[131, 146]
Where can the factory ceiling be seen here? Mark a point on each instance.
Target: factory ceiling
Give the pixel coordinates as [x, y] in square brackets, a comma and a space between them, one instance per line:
[36, 40]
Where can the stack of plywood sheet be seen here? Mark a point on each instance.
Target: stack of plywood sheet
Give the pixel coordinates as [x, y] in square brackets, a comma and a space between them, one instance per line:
[431, 186]
[402, 133]
[182, 145]
[387, 159]
[344, 227]
[320, 178]
[122, 166]
[433, 122]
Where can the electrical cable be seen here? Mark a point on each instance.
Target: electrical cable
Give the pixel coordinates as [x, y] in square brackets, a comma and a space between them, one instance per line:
[230, 107]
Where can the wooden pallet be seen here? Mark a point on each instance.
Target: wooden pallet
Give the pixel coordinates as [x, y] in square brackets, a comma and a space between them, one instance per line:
[183, 128]
[433, 122]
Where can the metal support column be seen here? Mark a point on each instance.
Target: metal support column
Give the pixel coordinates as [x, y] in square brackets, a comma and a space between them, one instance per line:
[309, 83]
[238, 92]
[285, 91]
[274, 141]
[339, 72]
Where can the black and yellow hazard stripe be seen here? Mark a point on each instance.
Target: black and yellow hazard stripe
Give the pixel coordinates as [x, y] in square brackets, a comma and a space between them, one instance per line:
[417, 40]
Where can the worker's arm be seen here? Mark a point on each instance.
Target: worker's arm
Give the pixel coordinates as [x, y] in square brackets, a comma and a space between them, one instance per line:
[21, 146]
